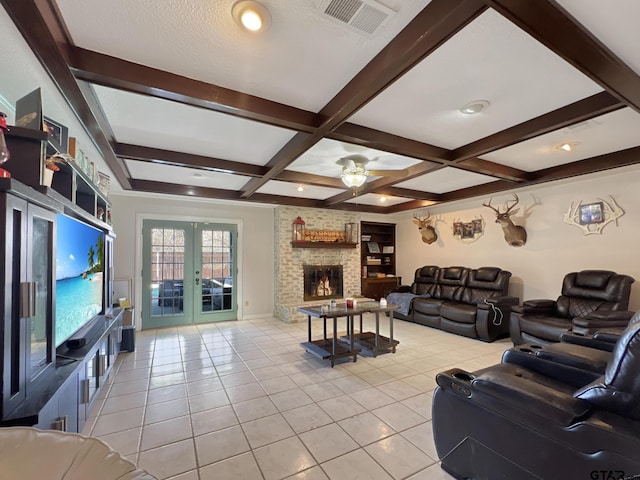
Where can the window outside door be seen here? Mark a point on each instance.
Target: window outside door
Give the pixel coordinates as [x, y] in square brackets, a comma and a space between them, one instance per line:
[188, 273]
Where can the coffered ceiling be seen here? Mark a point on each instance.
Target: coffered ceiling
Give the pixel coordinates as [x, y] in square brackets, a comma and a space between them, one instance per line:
[179, 100]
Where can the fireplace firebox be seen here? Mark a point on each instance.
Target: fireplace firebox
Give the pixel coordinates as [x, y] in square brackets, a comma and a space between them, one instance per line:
[322, 282]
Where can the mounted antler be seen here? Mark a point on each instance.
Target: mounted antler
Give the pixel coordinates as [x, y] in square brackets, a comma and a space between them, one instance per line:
[425, 228]
[515, 235]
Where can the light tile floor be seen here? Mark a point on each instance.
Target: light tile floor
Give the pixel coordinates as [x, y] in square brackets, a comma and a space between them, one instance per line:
[243, 400]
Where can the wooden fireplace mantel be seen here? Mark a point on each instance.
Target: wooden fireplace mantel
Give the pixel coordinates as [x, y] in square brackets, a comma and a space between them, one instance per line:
[323, 245]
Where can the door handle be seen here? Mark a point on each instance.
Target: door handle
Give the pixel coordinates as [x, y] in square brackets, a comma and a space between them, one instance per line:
[197, 281]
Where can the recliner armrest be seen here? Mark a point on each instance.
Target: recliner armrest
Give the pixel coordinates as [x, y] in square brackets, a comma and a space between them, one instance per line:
[608, 335]
[524, 394]
[587, 341]
[541, 306]
[502, 301]
[601, 319]
[402, 289]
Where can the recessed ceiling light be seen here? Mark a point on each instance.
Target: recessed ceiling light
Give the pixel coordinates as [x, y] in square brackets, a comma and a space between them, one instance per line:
[567, 147]
[383, 199]
[300, 188]
[198, 176]
[474, 107]
[251, 16]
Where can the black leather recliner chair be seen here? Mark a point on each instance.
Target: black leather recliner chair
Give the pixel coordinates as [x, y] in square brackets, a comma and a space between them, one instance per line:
[590, 355]
[511, 421]
[590, 300]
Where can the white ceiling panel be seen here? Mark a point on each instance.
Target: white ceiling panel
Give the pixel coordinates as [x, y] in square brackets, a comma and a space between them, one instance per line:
[289, 189]
[608, 133]
[141, 120]
[378, 200]
[491, 60]
[184, 176]
[302, 59]
[445, 180]
[321, 158]
[614, 23]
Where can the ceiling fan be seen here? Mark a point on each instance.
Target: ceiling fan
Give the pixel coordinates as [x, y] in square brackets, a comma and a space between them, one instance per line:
[354, 171]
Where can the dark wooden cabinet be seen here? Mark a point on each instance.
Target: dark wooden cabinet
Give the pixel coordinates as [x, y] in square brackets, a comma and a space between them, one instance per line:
[378, 262]
[27, 301]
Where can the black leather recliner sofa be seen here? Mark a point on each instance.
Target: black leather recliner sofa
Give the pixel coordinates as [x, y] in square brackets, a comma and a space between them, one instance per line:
[517, 421]
[465, 301]
[590, 300]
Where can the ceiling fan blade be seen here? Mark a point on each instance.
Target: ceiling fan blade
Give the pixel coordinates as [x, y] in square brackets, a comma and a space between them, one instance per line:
[353, 160]
[388, 173]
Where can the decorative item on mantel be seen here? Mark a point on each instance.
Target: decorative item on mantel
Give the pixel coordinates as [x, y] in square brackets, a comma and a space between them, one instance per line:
[298, 230]
[4, 151]
[351, 232]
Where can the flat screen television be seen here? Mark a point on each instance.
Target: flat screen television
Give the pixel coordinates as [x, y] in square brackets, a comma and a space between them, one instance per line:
[79, 276]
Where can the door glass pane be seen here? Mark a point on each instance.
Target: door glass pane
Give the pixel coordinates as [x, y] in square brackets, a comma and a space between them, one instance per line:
[167, 271]
[40, 274]
[217, 275]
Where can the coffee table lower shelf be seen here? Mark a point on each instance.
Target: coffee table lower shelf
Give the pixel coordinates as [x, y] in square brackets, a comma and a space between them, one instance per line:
[324, 349]
[367, 343]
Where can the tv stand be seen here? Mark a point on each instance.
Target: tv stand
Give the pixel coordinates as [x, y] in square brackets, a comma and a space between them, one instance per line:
[63, 399]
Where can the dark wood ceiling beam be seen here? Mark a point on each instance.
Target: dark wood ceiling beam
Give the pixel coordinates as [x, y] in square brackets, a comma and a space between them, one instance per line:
[309, 179]
[371, 138]
[552, 26]
[409, 193]
[622, 158]
[580, 111]
[200, 192]
[132, 77]
[433, 26]
[52, 53]
[413, 205]
[180, 159]
[485, 167]
[479, 190]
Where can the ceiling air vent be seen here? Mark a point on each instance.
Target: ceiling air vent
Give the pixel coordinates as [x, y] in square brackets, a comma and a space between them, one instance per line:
[363, 16]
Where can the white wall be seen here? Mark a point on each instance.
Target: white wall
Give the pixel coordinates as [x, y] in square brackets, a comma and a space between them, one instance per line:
[553, 248]
[255, 241]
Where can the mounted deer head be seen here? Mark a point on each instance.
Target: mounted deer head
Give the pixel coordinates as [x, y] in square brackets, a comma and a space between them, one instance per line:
[515, 235]
[425, 228]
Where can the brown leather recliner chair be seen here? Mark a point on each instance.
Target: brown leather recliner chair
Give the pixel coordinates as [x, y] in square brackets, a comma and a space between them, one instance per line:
[590, 300]
[516, 421]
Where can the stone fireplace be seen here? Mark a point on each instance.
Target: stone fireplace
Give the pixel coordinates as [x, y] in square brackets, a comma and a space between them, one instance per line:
[322, 282]
[289, 279]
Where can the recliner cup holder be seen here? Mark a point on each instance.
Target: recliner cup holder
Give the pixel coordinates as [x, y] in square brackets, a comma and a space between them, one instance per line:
[464, 376]
[529, 348]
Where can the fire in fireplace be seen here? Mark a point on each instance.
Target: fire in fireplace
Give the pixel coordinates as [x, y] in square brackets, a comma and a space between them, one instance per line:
[322, 282]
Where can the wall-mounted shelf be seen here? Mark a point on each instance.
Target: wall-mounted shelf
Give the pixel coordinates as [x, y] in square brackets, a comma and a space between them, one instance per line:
[323, 245]
[26, 165]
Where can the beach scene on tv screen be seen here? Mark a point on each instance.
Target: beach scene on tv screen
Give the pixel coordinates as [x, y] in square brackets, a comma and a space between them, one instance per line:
[79, 271]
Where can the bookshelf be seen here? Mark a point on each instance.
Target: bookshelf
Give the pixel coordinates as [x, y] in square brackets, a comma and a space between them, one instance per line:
[378, 261]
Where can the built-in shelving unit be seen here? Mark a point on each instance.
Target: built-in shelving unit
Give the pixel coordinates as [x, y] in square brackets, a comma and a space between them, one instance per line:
[378, 258]
[27, 165]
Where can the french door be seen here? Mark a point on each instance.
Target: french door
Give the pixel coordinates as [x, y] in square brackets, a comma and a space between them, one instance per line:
[188, 273]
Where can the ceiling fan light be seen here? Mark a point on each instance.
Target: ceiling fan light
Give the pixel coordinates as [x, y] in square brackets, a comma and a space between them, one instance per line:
[352, 179]
[251, 16]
